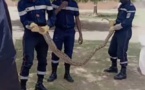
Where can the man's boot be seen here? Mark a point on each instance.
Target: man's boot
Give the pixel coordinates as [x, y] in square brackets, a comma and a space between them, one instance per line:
[53, 75]
[67, 75]
[39, 85]
[121, 75]
[23, 84]
[113, 67]
[23, 87]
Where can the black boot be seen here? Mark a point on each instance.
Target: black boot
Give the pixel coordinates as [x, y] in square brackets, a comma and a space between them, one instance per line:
[40, 86]
[23, 88]
[113, 68]
[53, 75]
[67, 75]
[23, 84]
[121, 75]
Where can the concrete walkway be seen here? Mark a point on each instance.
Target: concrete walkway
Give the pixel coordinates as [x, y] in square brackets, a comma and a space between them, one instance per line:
[94, 35]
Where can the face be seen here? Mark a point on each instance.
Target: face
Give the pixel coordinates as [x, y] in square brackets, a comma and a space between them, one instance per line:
[124, 1]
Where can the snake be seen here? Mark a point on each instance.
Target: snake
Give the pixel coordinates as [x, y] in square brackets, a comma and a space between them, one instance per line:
[66, 58]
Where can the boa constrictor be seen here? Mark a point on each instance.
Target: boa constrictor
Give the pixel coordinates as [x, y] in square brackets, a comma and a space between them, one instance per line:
[65, 58]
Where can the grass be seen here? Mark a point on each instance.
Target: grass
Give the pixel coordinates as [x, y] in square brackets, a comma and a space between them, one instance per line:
[91, 75]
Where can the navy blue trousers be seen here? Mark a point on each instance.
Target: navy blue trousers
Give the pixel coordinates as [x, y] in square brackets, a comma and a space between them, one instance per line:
[119, 46]
[66, 38]
[31, 43]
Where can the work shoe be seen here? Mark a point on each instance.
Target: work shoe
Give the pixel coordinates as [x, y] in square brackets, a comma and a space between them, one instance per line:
[111, 70]
[121, 75]
[52, 77]
[23, 88]
[68, 78]
[40, 86]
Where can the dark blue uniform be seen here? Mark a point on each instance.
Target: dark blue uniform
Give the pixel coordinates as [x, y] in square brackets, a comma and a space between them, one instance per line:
[9, 75]
[34, 12]
[119, 43]
[120, 40]
[64, 34]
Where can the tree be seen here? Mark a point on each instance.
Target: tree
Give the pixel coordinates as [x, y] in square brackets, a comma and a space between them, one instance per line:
[95, 10]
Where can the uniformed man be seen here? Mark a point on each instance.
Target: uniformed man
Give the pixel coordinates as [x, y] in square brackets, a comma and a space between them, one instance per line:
[64, 34]
[32, 15]
[120, 40]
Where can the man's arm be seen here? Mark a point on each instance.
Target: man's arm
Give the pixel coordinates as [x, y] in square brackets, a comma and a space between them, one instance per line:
[78, 24]
[52, 13]
[129, 18]
[63, 5]
[23, 15]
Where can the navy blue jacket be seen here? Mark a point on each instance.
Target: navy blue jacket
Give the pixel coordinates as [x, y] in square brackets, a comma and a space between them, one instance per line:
[34, 12]
[9, 76]
[126, 13]
[66, 17]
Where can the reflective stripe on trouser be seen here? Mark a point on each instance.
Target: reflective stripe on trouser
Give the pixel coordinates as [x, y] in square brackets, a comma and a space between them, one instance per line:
[24, 77]
[55, 61]
[119, 46]
[113, 57]
[41, 47]
[41, 72]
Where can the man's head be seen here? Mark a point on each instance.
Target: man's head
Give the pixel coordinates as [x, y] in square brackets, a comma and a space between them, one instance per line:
[124, 1]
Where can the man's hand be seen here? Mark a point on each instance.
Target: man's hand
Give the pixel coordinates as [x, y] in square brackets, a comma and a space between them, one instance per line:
[63, 5]
[34, 27]
[116, 27]
[80, 40]
[44, 30]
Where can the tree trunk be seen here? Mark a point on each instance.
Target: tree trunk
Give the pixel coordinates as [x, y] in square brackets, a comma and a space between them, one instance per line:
[95, 11]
